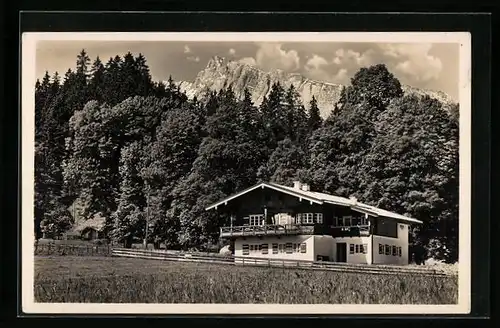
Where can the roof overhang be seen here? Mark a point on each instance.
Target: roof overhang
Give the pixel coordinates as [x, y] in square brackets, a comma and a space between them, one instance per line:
[408, 220]
[262, 186]
[355, 206]
[364, 210]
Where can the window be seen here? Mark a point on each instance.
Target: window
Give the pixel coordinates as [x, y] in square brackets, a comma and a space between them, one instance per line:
[281, 248]
[245, 249]
[307, 217]
[275, 248]
[399, 251]
[387, 250]
[289, 249]
[394, 250]
[246, 220]
[318, 218]
[380, 249]
[363, 221]
[264, 248]
[347, 221]
[362, 249]
[256, 219]
[303, 248]
[257, 248]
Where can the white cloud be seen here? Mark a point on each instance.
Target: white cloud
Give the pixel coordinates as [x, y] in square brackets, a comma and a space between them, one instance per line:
[248, 60]
[351, 57]
[316, 62]
[187, 50]
[193, 58]
[315, 68]
[232, 51]
[414, 60]
[341, 76]
[340, 68]
[271, 56]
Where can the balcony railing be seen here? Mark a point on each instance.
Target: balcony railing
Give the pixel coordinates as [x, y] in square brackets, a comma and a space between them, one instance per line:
[261, 230]
[350, 231]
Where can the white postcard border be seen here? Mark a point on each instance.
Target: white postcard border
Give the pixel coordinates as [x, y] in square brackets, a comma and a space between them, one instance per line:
[29, 306]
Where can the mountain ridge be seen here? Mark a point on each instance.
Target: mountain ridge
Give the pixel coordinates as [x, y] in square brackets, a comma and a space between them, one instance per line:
[221, 73]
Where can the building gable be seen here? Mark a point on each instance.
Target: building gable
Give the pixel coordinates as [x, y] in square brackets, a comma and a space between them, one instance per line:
[318, 198]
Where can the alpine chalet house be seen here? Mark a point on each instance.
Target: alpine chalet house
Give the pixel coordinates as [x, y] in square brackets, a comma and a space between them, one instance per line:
[273, 221]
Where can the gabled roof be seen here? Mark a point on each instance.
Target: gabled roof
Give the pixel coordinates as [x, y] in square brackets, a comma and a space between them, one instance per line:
[96, 222]
[319, 198]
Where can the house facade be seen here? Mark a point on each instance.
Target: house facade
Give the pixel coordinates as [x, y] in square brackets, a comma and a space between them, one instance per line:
[274, 221]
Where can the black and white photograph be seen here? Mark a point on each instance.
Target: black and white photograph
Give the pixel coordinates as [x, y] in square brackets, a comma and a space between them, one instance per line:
[246, 172]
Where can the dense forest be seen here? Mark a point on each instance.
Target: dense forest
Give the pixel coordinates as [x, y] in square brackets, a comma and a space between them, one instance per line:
[125, 147]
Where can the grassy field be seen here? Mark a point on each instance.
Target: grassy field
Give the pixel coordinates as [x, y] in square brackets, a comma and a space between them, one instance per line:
[121, 280]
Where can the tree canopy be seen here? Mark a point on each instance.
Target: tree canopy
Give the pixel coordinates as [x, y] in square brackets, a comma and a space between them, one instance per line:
[143, 155]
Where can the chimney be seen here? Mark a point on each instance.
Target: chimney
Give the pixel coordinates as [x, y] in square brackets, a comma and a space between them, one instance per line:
[297, 185]
[305, 187]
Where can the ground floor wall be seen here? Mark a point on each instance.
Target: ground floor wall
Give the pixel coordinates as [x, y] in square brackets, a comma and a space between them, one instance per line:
[302, 247]
[323, 248]
[388, 250]
[290, 247]
[356, 250]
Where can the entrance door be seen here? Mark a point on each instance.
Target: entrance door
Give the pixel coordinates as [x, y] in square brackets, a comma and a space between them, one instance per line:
[341, 252]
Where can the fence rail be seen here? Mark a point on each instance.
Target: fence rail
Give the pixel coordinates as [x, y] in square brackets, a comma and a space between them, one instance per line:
[284, 263]
[74, 250]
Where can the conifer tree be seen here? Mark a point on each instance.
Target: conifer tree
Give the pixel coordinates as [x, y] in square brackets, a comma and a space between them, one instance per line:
[314, 119]
[274, 115]
[96, 83]
[144, 83]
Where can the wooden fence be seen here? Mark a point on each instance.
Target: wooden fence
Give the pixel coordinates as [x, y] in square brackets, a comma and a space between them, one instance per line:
[283, 263]
[73, 250]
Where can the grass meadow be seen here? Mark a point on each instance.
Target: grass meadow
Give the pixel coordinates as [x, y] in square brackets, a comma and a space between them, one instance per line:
[122, 280]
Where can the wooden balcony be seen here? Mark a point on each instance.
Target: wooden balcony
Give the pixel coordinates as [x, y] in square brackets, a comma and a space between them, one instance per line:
[265, 230]
[276, 230]
[350, 231]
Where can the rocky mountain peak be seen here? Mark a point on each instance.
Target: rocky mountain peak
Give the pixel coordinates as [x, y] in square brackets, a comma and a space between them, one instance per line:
[221, 73]
[216, 62]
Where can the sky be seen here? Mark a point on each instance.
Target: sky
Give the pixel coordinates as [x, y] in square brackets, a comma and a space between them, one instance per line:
[423, 65]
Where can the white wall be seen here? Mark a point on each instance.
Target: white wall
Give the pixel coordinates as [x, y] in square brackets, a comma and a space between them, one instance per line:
[359, 258]
[307, 239]
[326, 245]
[323, 245]
[401, 241]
